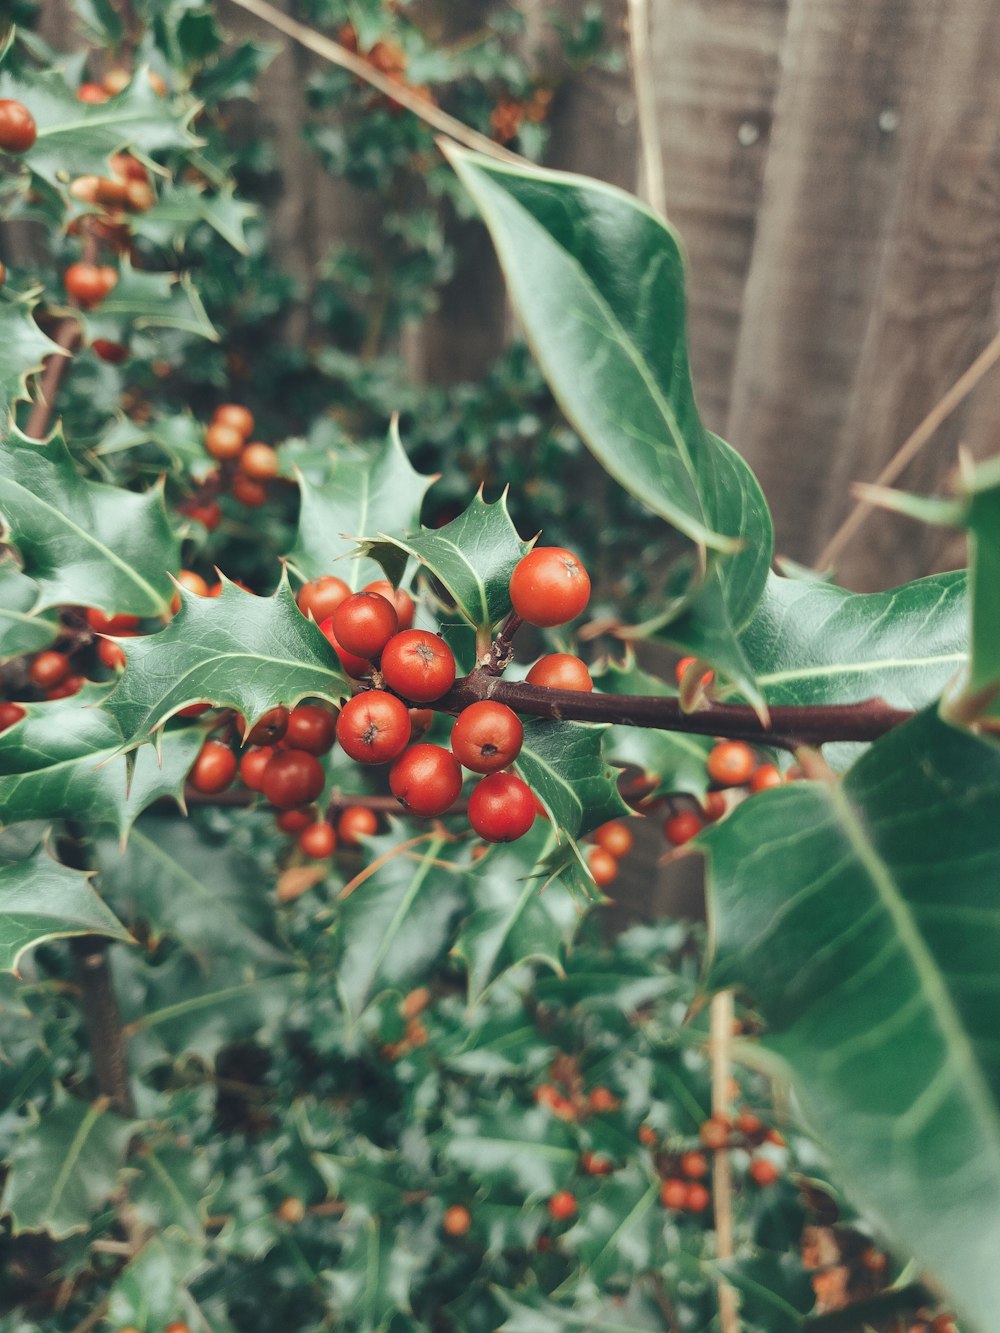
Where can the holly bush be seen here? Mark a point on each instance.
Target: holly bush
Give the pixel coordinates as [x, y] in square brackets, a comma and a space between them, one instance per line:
[303, 1024]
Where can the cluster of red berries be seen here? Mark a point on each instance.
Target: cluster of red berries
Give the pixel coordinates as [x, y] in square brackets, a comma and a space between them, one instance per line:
[246, 465]
[510, 113]
[685, 1172]
[389, 59]
[114, 82]
[612, 842]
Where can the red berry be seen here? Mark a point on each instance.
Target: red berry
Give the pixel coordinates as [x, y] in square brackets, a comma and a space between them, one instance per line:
[292, 778]
[311, 728]
[648, 1136]
[214, 769]
[614, 837]
[91, 92]
[715, 806]
[418, 665]
[457, 1220]
[731, 763]
[193, 582]
[680, 670]
[10, 713]
[110, 624]
[562, 1206]
[763, 1172]
[764, 776]
[294, 821]
[682, 827]
[714, 1132]
[18, 130]
[501, 808]
[112, 655]
[426, 779]
[355, 823]
[223, 442]
[321, 597]
[673, 1193]
[259, 461]
[602, 1099]
[111, 352]
[399, 597]
[596, 1164]
[364, 623]
[88, 284]
[748, 1123]
[549, 586]
[561, 671]
[48, 669]
[317, 840]
[71, 685]
[249, 492]
[697, 1198]
[235, 416]
[603, 866]
[252, 766]
[694, 1165]
[353, 665]
[373, 727]
[487, 736]
[270, 728]
[208, 515]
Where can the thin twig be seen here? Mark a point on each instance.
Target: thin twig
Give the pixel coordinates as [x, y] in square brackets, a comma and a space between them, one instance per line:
[361, 69]
[67, 335]
[379, 862]
[644, 84]
[501, 652]
[720, 1036]
[869, 1311]
[93, 1318]
[909, 449]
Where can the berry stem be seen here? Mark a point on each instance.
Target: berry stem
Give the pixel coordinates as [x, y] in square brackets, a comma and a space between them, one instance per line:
[501, 650]
[67, 334]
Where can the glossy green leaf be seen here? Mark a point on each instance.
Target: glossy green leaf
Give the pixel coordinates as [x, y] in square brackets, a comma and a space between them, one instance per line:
[775, 1290]
[76, 138]
[395, 924]
[64, 761]
[617, 1233]
[152, 1289]
[512, 922]
[235, 650]
[982, 517]
[169, 1186]
[180, 207]
[21, 632]
[370, 1282]
[42, 900]
[23, 349]
[366, 494]
[862, 918]
[84, 542]
[564, 763]
[635, 1314]
[64, 1166]
[530, 1150]
[473, 556]
[178, 883]
[675, 761]
[150, 301]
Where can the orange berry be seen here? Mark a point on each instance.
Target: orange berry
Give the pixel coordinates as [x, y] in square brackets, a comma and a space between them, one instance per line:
[764, 776]
[290, 1210]
[648, 1136]
[682, 827]
[714, 1132]
[596, 1164]
[223, 442]
[603, 1099]
[731, 763]
[562, 1206]
[697, 1198]
[763, 1172]
[615, 837]
[249, 492]
[694, 1165]
[259, 461]
[673, 1193]
[603, 866]
[457, 1220]
[235, 416]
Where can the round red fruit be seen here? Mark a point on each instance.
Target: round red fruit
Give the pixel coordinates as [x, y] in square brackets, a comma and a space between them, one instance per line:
[603, 867]
[763, 1172]
[317, 840]
[694, 1165]
[602, 1099]
[673, 1193]
[259, 461]
[355, 666]
[714, 1132]
[113, 624]
[252, 766]
[682, 827]
[321, 597]
[294, 821]
[111, 352]
[87, 284]
[10, 713]
[112, 655]
[614, 837]
[426, 779]
[715, 806]
[236, 416]
[71, 685]
[249, 492]
[501, 808]
[399, 597]
[18, 130]
[373, 727]
[48, 669]
[561, 671]
[731, 763]
[292, 778]
[562, 1206]
[214, 769]
[596, 1164]
[457, 1220]
[311, 728]
[270, 728]
[697, 1198]
[355, 823]
[208, 515]
[487, 736]
[91, 92]
[549, 586]
[764, 776]
[364, 623]
[418, 665]
[223, 442]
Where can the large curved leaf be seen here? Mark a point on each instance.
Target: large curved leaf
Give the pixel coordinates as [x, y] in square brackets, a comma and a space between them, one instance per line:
[863, 919]
[564, 763]
[21, 632]
[23, 349]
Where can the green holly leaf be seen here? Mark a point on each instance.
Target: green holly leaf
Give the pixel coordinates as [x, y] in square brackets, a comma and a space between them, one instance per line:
[170, 1186]
[775, 1290]
[675, 761]
[23, 349]
[235, 650]
[598, 281]
[362, 495]
[396, 924]
[179, 884]
[370, 1284]
[152, 1290]
[618, 1233]
[512, 922]
[21, 632]
[179, 208]
[861, 918]
[564, 763]
[84, 542]
[63, 760]
[149, 301]
[473, 556]
[530, 1149]
[65, 1166]
[77, 138]
[633, 1314]
[43, 900]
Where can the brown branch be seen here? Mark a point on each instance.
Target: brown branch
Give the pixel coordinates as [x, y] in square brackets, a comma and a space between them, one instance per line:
[720, 1037]
[103, 1020]
[67, 335]
[501, 652]
[857, 1315]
